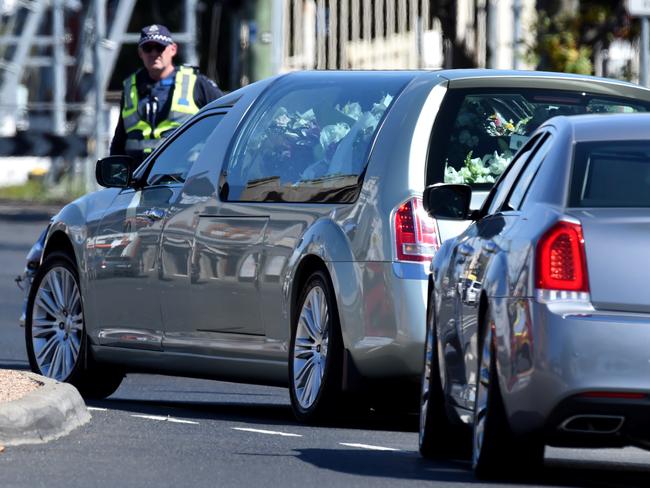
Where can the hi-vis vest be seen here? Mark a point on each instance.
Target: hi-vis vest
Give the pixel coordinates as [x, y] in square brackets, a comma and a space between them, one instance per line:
[140, 135]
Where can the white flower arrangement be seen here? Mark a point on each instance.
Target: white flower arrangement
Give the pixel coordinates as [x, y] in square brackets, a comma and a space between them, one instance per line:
[484, 169]
[351, 109]
[479, 170]
[332, 134]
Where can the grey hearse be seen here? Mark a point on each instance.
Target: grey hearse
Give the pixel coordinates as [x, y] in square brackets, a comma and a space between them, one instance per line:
[278, 237]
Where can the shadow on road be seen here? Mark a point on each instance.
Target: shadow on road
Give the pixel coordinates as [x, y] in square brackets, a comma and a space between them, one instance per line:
[249, 412]
[268, 408]
[255, 413]
[593, 474]
[381, 464]
[409, 465]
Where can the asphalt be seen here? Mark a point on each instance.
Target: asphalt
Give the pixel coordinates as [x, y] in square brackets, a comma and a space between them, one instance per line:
[47, 413]
[54, 409]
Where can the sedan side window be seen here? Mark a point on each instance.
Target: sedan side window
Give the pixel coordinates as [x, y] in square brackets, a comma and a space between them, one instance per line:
[501, 189]
[528, 174]
[173, 164]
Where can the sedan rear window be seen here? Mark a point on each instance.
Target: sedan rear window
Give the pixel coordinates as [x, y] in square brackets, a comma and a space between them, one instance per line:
[485, 128]
[611, 174]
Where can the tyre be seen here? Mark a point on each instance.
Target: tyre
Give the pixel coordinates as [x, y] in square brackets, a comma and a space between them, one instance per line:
[439, 436]
[55, 332]
[316, 352]
[497, 452]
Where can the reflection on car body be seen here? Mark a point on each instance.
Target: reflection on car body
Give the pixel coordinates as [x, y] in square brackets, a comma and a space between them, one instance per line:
[117, 252]
[279, 235]
[471, 291]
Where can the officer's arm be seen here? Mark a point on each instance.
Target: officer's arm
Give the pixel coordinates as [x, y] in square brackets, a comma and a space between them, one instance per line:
[205, 91]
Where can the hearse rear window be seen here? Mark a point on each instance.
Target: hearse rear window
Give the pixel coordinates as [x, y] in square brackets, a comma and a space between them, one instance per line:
[310, 139]
[482, 130]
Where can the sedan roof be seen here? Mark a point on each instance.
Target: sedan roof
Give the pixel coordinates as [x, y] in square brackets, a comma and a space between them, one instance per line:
[604, 127]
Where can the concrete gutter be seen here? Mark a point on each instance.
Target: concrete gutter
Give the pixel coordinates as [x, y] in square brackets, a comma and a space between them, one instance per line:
[47, 413]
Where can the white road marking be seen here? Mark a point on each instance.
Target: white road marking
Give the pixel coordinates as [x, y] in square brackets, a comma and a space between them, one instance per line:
[269, 432]
[166, 419]
[98, 409]
[367, 446]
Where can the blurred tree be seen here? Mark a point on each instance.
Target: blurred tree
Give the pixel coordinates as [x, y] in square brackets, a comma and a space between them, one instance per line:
[568, 32]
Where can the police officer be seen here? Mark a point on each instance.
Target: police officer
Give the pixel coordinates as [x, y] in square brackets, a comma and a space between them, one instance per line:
[158, 98]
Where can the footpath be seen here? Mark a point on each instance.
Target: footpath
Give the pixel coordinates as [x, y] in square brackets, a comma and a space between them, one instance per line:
[33, 408]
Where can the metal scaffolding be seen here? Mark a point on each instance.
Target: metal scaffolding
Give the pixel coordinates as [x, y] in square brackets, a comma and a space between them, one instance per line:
[35, 39]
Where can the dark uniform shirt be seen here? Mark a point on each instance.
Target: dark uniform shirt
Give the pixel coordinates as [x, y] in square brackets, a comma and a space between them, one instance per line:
[154, 102]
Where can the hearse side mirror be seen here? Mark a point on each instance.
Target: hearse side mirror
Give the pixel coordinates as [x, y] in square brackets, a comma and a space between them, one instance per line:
[448, 201]
[115, 171]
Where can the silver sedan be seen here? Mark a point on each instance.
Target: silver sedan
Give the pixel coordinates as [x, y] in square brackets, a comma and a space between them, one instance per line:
[538, 328]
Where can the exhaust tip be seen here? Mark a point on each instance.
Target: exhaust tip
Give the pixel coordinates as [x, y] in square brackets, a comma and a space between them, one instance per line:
[593, 424]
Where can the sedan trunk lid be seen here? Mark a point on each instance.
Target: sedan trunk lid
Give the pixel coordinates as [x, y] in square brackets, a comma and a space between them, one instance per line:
[617, 245]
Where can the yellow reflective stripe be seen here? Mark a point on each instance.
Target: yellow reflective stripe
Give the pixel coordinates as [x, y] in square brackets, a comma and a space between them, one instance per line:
[183, 100]
[130, 116]
[130, 97]
[164, 126]
[142, 126]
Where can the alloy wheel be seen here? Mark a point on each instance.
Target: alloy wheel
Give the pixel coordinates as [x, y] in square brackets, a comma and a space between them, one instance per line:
[57, 324]
[311, 347]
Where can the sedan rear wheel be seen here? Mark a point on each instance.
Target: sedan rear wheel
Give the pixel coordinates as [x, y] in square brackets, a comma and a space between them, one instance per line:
[55, 332]
[316, 352]
[439, 436]
[497, 452]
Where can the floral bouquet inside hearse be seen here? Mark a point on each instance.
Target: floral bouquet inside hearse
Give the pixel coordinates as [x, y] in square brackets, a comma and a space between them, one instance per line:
[491, 127]
[487, 133]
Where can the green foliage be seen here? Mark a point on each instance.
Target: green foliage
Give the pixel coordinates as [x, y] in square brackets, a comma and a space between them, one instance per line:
[31, 191]
[565, 39]
[36, 191]
[558, 47]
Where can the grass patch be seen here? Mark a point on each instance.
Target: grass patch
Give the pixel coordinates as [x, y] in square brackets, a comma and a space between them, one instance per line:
[32, 190]
[36, 191]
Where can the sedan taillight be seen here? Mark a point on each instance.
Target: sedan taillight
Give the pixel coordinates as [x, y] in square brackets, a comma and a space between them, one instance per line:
[416, 234]
[561, 262]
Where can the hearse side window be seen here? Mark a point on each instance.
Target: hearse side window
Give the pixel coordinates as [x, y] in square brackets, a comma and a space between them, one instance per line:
[310, 139]
[173, 164]
[481, 130]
